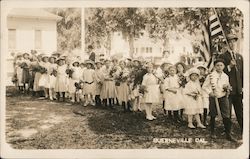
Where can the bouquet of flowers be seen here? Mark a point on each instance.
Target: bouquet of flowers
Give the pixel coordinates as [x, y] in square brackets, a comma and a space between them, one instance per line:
[54, 72]
[78, 85]
[227, 89]
[24, 65]
[143, 89]
[112, 71]
[43, 70]
[182, 81]
[36, 68]
[196, 94]
[69, 72]
[14, 78]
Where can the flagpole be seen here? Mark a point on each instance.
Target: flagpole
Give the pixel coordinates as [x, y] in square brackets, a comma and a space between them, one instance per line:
[225, 37]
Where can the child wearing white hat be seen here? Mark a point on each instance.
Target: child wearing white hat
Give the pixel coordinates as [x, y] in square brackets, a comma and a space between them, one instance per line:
[172, 93]
[89, 83]
[44, 80]
[152, 93]
[193, 98]
[74, 78]
[52, 77]
[61, 79]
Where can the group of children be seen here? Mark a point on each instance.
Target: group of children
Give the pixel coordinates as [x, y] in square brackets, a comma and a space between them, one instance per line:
[135, 84]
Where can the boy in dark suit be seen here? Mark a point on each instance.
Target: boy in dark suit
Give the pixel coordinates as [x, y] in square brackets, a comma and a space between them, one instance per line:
[234, 69]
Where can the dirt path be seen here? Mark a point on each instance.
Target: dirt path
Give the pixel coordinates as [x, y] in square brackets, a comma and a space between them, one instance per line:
[40, 124]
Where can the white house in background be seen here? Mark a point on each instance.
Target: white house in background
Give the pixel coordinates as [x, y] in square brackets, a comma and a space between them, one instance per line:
[30, 29]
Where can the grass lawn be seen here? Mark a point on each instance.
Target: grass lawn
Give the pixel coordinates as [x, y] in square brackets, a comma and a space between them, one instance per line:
[33, 123]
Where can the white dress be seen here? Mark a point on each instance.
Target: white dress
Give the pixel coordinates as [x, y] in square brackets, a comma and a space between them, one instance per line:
[89, 81]
[123, 89]
[108, 87]
[172, 100]
[152, 94]
[61, 79]
[193, 106]
[52, 78]
[76, 75]
[44, 79]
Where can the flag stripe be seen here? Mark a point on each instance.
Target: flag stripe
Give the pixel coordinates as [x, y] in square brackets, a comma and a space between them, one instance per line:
[214, 24]
[217, 34]
[215, 27]
[212, 17]
[214, 32]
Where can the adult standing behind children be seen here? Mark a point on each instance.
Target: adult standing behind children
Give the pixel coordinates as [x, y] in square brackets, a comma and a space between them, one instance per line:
[234, 69]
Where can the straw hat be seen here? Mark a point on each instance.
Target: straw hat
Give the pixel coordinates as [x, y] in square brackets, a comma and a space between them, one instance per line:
[232, 37]
[89, 62]
[193, 71]
[26, 54]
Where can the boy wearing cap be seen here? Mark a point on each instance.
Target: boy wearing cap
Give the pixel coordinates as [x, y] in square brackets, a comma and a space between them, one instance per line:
[234, 69]
[217, 86]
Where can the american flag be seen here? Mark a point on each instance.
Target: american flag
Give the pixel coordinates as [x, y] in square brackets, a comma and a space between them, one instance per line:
[212, 33]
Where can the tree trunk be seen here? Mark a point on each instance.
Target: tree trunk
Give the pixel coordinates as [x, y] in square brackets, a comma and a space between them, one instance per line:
[131, 45]
[109, 38]
[165, 44]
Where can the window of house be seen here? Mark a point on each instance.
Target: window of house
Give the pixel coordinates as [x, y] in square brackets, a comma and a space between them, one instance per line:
[136, 50]
[150, 50]
[147, 49]
[38, 39]
[142, 49]
[12, 38]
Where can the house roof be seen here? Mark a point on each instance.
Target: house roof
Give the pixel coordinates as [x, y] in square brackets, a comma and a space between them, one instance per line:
[33, 13]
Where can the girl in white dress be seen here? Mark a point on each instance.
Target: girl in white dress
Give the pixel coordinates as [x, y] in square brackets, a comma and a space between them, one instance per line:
[172, 93]
[52, 77]
[61, 79]
[193, 98]
[122, 86]
[74, 79]
[89, 83]
[44, 80]
[152, 93]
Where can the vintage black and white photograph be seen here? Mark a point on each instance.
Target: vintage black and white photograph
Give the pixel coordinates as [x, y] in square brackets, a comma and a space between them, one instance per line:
[125, 77]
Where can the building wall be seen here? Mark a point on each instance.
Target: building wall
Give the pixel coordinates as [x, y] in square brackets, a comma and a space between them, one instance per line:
[29, 34]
